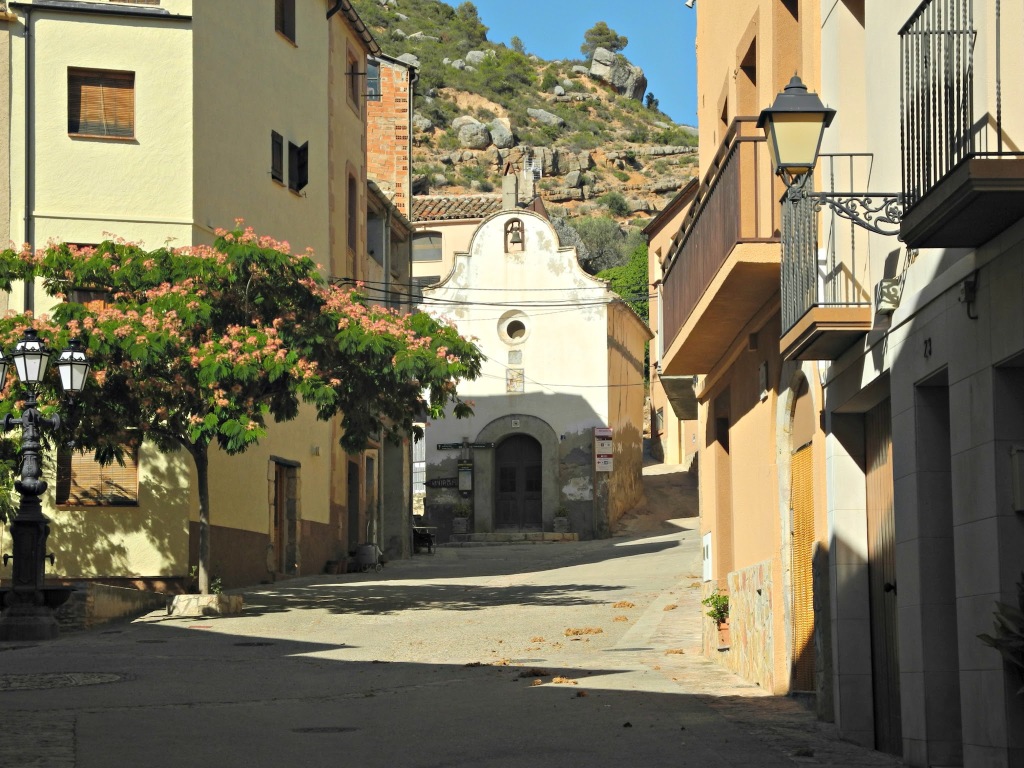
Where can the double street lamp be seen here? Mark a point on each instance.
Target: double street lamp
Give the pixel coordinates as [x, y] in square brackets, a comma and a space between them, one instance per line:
[28, 612]
[794, 125]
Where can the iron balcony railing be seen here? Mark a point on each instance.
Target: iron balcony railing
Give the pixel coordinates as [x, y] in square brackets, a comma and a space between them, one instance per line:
[730, 208]
[825, 260]
[948, 116]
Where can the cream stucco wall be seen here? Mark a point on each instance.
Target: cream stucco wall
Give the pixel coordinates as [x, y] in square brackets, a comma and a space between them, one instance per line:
[455, 237]
[952, 379]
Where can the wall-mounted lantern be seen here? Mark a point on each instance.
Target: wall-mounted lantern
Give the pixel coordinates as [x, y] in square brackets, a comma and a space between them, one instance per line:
[465, 477]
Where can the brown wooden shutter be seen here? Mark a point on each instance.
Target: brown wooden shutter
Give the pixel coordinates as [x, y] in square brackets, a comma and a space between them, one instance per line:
[101, 103]
[83, 481]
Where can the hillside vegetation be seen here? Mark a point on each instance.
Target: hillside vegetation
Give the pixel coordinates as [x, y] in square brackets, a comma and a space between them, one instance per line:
[588, 127]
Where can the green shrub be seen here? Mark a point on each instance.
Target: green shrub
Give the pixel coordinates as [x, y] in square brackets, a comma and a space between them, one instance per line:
[549, 81]
[616, 203]
[620, 175]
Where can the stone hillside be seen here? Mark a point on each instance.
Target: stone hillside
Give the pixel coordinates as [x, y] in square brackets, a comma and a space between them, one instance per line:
[589, 130]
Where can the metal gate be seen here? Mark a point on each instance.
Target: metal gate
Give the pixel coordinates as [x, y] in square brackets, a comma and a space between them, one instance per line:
[885, 672]
[802, 574]
[518, 503]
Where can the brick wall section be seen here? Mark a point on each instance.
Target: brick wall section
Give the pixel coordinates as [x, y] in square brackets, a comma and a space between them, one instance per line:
[387, 135]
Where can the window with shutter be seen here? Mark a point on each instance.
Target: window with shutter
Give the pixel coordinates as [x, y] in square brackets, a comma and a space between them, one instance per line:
[276, 156]
[101, 103]
[284, 18]
[83, 481]
[298, 166]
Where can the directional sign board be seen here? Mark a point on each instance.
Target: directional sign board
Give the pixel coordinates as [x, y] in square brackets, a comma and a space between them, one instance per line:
[604, 451]
[449, 446]
[442, 482]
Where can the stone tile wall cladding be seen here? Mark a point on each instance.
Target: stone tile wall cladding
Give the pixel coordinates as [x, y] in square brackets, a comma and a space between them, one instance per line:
[751, 651]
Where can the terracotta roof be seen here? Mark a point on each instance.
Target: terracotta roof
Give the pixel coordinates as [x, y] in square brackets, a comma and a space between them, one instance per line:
[442, 207]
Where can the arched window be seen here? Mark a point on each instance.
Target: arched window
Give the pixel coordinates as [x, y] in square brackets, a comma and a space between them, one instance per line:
[426, 246]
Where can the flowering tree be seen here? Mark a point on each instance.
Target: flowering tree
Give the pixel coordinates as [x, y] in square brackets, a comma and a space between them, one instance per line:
[205, 345]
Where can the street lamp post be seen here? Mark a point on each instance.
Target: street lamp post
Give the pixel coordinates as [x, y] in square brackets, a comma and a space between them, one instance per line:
[29, 604]
[793, 126]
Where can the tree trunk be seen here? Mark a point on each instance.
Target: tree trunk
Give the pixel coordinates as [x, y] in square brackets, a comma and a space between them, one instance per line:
[202, 458]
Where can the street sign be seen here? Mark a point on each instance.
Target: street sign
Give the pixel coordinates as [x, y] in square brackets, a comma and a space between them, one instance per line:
[603, 464]
[604, 451]
[442, 482]
[481, 445]
[603, 432]
[449, 446]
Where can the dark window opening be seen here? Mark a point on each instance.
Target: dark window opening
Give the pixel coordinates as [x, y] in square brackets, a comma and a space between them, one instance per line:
[298, 166]
[276, 156]
[284, 18]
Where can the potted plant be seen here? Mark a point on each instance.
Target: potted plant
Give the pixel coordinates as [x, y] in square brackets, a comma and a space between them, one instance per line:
[1009, 633]
[460, 517]
[718, 609]
[561, 521]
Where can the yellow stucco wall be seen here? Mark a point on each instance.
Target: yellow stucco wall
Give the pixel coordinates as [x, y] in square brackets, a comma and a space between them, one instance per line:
[627, 336]
[747, 51]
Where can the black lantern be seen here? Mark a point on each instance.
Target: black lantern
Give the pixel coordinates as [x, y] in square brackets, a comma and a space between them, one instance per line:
[31, 358]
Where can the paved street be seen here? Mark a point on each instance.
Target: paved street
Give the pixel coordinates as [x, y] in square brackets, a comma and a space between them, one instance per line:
[581, 654]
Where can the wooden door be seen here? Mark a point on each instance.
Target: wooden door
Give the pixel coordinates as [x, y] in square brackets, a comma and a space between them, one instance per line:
[885, 671]
[354, 534]
[518, 485]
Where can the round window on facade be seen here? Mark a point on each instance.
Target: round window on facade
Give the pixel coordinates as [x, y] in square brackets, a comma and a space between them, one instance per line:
[513, 327]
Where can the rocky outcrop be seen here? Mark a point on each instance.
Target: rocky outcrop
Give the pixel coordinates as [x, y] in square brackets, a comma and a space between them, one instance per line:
[501, 134]
[474, 136]
[543, 116]
[627, 79]
[411, 59]
[421, 123]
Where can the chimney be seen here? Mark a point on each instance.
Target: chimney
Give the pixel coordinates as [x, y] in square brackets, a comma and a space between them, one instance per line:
[509, 189]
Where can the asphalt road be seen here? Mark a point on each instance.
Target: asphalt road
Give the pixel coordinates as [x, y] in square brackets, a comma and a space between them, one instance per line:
[567, 654]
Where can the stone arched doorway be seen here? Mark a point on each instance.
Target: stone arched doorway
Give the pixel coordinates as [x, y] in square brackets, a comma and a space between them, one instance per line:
[518, 502]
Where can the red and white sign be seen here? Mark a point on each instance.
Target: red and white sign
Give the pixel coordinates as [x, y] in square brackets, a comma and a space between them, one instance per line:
[604, 451]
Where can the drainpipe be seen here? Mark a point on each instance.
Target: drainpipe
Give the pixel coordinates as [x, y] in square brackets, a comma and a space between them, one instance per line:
[335, 9]
[30, 298]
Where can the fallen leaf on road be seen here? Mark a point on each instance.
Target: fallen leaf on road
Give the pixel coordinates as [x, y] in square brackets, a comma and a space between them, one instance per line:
[533, 648]
[534, 673]
[624, 604]
[627, 725]
[621, 618]
[537, 639]
[674, 650]
[581, 694]
[670, 607]
[563, 681]
[538, 681]
[475, 664]
[574, 632]
[501, 663]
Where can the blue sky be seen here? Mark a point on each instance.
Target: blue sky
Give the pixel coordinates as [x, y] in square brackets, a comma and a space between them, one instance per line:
[660, 32]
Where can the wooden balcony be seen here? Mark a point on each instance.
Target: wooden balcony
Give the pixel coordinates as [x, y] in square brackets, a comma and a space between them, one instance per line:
[724, 264]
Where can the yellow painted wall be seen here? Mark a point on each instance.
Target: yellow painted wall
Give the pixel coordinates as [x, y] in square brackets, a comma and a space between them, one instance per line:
[201, 157]
[240, 97]
[627, 336]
